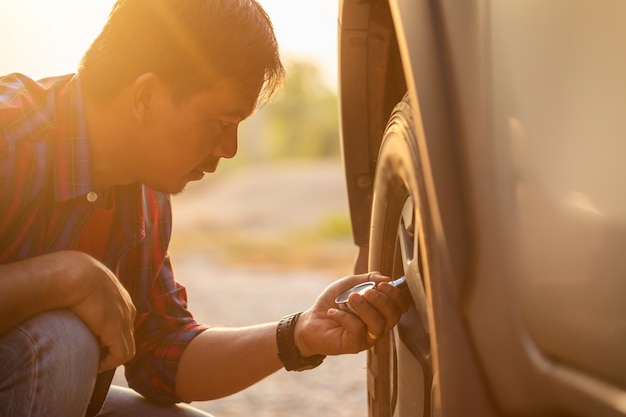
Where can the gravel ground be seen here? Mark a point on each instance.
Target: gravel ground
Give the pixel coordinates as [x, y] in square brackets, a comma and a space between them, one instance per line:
[262, 206]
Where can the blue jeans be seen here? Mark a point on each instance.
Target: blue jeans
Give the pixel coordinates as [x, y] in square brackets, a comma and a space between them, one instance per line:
[48, 367]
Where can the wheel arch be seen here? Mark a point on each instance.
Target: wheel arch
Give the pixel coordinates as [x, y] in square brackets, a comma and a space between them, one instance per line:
[371, 82]
[379, 44]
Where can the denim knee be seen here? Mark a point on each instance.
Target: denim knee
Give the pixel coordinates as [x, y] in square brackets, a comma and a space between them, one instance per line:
[48, 366]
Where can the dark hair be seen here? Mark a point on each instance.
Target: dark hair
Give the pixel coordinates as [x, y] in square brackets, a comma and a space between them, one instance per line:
[188, 43]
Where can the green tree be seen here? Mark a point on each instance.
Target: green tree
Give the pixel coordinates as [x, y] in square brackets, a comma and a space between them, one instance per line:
[302, 120]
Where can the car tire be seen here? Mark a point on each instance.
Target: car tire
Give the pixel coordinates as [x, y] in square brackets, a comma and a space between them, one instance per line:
[401, 381]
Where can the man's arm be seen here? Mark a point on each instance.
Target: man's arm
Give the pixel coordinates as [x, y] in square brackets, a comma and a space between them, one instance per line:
[29, 287]
[76, 281]
[222, 361]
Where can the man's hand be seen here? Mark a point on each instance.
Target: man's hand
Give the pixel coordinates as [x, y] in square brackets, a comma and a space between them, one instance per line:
[222, 361]
[324, 329]
[105, 306]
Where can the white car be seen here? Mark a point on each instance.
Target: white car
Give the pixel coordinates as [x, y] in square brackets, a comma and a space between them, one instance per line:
[484, 145]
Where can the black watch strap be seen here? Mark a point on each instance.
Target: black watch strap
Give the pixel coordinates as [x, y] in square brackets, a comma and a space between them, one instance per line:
[287, 350]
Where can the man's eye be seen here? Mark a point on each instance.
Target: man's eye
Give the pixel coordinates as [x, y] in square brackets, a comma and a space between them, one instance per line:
[222, 124]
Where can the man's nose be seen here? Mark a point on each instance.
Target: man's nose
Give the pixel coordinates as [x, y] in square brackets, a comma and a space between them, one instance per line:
[227, 146]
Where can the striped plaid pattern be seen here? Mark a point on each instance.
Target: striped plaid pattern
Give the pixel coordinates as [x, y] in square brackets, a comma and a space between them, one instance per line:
[45, 177]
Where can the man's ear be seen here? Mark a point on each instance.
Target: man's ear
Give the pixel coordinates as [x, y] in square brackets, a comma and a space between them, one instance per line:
[144, 96]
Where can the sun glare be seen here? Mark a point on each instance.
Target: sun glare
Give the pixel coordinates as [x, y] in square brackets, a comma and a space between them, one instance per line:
[42, 38]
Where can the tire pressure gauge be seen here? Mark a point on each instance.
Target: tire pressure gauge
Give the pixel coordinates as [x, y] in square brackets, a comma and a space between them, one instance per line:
[342, 300]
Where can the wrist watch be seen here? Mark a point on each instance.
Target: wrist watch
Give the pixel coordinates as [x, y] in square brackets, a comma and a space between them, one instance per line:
[288, 352]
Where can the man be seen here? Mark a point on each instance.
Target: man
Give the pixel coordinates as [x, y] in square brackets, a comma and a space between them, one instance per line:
[87, 165]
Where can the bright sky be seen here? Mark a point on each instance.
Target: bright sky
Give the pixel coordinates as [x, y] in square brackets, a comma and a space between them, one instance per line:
[47, 37]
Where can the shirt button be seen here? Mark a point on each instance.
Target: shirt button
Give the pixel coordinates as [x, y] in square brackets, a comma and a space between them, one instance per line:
[92, 197]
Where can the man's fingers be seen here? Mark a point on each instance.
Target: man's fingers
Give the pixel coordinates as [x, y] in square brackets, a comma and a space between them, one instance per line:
[385, 306]
[368, 310]
[398, 295]
[111, 359]
[353, 328]
[107, 362]
[379, 309]
[117, 353]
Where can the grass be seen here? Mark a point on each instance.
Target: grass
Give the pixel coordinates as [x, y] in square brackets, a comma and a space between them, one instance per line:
[326, 246]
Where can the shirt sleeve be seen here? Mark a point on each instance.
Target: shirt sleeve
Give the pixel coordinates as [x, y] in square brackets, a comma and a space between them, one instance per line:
[163, 329]
[163, 326]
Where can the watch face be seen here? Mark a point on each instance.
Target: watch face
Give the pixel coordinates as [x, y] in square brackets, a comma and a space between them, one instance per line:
[360, 289]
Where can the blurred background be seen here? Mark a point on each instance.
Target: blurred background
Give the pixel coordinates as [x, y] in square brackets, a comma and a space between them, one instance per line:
[264, 235]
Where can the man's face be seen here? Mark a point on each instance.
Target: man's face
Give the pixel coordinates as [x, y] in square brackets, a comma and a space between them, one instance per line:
[183, 141]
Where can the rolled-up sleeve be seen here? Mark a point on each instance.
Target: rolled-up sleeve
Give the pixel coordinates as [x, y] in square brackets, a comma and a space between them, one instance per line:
[163, 329]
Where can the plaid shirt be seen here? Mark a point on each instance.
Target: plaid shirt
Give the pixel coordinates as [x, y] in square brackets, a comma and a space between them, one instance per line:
[46, 197]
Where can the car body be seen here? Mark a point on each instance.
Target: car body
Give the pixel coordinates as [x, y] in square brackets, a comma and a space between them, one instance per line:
[483, 145]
